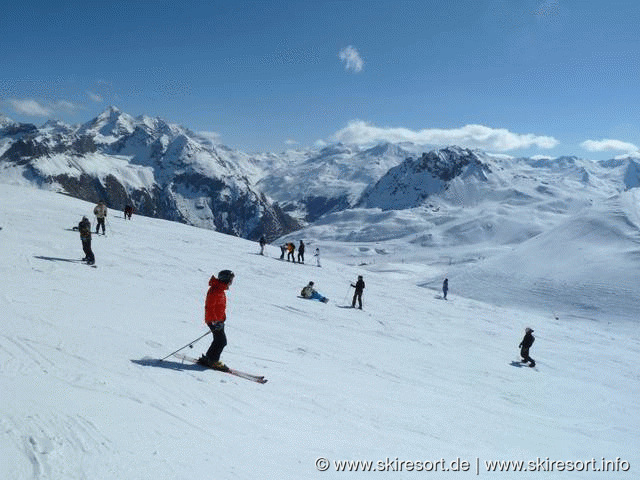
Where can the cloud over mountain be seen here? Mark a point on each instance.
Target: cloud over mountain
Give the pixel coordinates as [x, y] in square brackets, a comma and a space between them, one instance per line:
[30, 107]
[608, 144]
[471, 136]
[35, 108]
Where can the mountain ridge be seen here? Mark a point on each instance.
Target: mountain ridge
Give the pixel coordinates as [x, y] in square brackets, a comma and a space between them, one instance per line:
[158, 167]
[167, 171]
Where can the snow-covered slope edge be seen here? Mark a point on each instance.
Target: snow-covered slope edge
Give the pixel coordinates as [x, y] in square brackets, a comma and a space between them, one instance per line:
[412, 377]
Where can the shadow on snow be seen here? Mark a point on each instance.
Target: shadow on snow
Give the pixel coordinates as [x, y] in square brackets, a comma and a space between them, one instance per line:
[171, 365]
[57, 259]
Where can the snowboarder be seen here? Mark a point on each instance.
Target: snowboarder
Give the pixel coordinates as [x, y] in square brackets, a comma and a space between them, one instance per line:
[359, 286]
[525, 345]
[301, 252]
[445, 287]
[291, 249]
[214, 316]
[84, 227]
[263, 242]
[128, 211]
[317, 255]
[311, 293]
[101, 214]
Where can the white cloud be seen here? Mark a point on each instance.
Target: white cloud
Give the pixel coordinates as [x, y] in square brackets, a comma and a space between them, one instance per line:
[211, 137]
[94, 97]
[30, 107]
[34, 108]
[608, 144]
[471, 136]
[290, 142]
[352, 59]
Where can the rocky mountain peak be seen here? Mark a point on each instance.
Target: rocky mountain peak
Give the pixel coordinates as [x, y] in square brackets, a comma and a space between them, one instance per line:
[109, 125]
[5, 121]
[448, 163]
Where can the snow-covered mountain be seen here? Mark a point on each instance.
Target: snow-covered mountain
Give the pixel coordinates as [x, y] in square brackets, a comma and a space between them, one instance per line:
[311, 183]
[461, 214]
[462, 177]
[414, 180]
[162, 169]
[167, 171]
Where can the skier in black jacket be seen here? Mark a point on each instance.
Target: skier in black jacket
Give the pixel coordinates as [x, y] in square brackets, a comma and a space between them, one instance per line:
[359, 286]
[525, 345]
[84, 227]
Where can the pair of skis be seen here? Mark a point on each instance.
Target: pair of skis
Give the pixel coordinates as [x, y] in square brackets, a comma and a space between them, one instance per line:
[231, 371]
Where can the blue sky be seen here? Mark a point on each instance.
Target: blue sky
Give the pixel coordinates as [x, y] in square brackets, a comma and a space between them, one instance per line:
[523, 77]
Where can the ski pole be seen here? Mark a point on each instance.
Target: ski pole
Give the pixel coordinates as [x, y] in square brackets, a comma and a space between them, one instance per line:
[190, 344]
[347, 295]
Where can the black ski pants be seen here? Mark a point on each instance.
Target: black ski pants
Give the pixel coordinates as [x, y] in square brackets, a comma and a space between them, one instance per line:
[357, 296]
[218, 343]
[86, 247]
[100, 222]
[524, 353]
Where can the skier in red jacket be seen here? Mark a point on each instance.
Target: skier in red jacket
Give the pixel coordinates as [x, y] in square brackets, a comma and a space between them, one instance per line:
[214, 316]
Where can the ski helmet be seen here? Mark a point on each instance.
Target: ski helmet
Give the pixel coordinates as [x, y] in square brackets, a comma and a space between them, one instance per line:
[225, 276]
[528, 330]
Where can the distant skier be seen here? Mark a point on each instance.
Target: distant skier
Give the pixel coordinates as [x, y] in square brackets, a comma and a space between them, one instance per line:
[84, 227]
[525, 345]
[301, 252]
[101, 214]
[359, 286]
[128, 211]
[317, 255]
[291, 252]
[263, 242]
[215, 314]
[283, 250]
[445, 287]
[312, 294]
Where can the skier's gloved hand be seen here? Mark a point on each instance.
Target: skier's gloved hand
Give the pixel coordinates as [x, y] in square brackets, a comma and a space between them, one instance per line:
[217, 326]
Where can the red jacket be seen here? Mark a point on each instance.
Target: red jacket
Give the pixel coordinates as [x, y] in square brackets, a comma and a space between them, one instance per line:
[215, 305]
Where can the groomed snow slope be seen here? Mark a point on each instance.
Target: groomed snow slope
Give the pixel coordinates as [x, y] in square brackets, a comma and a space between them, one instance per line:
[588, 266]
[411, 377]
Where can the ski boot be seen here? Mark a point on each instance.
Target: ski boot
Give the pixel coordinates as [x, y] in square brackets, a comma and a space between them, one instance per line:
[219, 366]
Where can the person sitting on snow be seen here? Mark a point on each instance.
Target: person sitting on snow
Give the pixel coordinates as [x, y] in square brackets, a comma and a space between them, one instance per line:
[312, 294]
